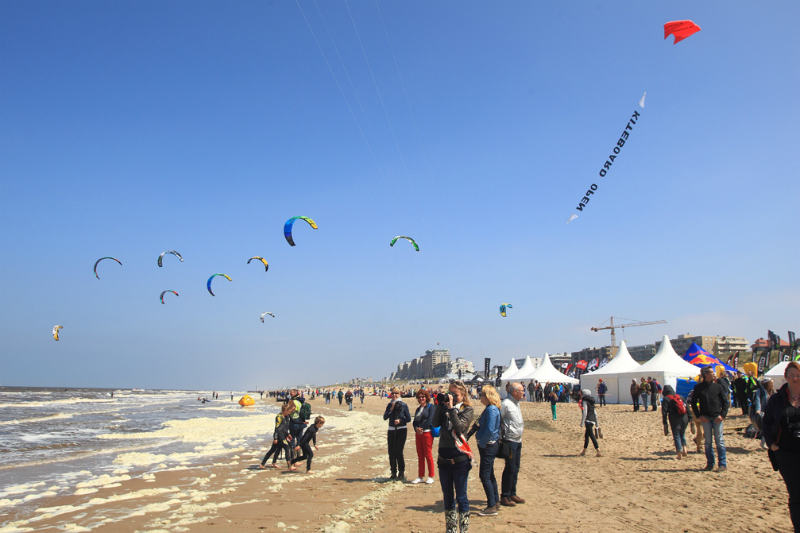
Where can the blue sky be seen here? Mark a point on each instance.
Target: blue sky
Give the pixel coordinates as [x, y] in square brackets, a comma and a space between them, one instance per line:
[130, 128]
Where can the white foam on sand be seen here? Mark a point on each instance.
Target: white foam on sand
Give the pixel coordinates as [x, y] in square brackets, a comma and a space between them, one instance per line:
[36, 419]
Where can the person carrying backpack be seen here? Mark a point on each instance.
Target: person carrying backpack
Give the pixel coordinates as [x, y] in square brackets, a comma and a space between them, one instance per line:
[674, 411]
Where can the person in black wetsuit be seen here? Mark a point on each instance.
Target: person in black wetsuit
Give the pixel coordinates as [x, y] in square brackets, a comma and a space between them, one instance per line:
[281, 438]
[309, 436]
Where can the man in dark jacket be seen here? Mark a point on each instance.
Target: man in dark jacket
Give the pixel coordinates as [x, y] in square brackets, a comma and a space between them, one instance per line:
[710, 406]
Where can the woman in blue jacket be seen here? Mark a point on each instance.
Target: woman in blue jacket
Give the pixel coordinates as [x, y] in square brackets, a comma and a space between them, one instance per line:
[488, 437]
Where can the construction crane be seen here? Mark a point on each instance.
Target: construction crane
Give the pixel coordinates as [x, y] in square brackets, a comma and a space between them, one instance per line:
[613, 328]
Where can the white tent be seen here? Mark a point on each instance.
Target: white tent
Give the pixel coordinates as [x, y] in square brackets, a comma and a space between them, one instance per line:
[510, 371]
[525, 371]
[548, 373]
[618, 391]
[666, 366]
[776, 374]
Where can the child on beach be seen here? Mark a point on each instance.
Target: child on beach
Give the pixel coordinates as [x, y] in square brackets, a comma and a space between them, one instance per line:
[553, 403]
[305, 444]
[589, 420]
[281, 438]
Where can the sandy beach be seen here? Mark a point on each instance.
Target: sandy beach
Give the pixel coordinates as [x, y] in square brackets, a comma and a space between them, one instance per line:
[638, 485]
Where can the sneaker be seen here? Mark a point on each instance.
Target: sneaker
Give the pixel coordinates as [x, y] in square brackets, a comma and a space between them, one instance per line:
[429, 481]
[489, 511]
[709, 468]
[722, 469]
[418, 480]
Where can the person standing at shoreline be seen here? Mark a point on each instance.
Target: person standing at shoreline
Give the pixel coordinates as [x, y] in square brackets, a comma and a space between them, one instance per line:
[710, 405]
[398, 416]
[454, 415]
[423, 419]
[348, 398]
[488, 437]
[513, 426]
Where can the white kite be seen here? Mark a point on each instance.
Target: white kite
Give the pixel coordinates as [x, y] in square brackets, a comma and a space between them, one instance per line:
[265, 314]
[571, 218]
[641, 102]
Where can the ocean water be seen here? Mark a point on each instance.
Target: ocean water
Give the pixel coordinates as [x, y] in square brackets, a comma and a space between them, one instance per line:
[55, 442]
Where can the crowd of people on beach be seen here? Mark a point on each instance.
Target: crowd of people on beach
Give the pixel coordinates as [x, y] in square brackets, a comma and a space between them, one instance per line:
[448, 413]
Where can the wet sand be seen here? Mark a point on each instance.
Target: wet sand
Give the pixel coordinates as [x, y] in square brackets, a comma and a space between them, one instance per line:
[638, 485]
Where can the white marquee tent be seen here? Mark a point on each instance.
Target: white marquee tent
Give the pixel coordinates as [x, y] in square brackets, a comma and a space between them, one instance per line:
[510, 371]
[526, 370]
[548, 373]
[776, 374]
[666, 366]
[618, 391]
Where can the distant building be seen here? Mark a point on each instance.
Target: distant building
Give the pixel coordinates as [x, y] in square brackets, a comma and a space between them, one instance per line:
[642, 353]
[460, 364]
[587, 354]
[720, 347]
[434, 364]
[559, 359]
[762, 344]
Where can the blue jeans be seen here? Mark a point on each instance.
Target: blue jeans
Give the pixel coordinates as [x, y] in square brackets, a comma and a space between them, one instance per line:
[487, 473]
[644, 400]
[680, 440]
[511, 471]
[453, 478]
[714, 430]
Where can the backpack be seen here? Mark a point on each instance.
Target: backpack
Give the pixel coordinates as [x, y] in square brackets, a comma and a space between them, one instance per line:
[680, 407]
[305, 411]
[658, 385]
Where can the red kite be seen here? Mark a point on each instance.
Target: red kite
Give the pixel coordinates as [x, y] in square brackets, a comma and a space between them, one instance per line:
[681, 29]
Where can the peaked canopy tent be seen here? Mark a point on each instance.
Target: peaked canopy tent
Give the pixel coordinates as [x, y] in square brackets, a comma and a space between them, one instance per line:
[618, 391]
[666, 366]
[776, 374]
[510, 371]
[526, 368]
[548, 373]
[697, 356]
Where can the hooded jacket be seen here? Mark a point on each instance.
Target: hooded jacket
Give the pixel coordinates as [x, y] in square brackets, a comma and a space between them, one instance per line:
[668, 413]
[589, 415]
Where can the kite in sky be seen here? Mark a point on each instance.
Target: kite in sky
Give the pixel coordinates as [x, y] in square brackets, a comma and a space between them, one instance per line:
[572, 217]
[55, 331]
[95, 265]
[287, 228]
[165, 292]
[681, 29]
[266, 265]
[409, 239]
[208, 285]
[503, 308]
[641, 102]
[265, 314]
[173, 252]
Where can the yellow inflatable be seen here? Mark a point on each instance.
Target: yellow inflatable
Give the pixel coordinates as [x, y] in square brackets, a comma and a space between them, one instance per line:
[751, 366]
[246, 400]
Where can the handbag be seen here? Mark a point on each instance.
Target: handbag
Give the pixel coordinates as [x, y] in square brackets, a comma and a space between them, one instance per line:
[504, 450]
[598, 433]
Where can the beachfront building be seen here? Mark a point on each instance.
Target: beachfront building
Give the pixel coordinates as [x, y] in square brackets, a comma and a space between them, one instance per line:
[720, 347]
[587, 354]
[460, 365]
[434, 363]
[643, 352]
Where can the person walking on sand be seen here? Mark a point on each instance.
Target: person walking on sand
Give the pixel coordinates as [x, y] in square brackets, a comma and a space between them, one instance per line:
[531, 390]
[674, 412]
[553, 403]
[513, 427]
[710, 405]
[348, 398]
[309, 436]
[340, 395]
[454, 415]
[782, 433]
[764, 392]
[398, 416]
[635, 395]
[644, 390]
[696, 425]
[739, 388]
[589, 421]
[280, 439]
[488, 437]
[423, 420]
